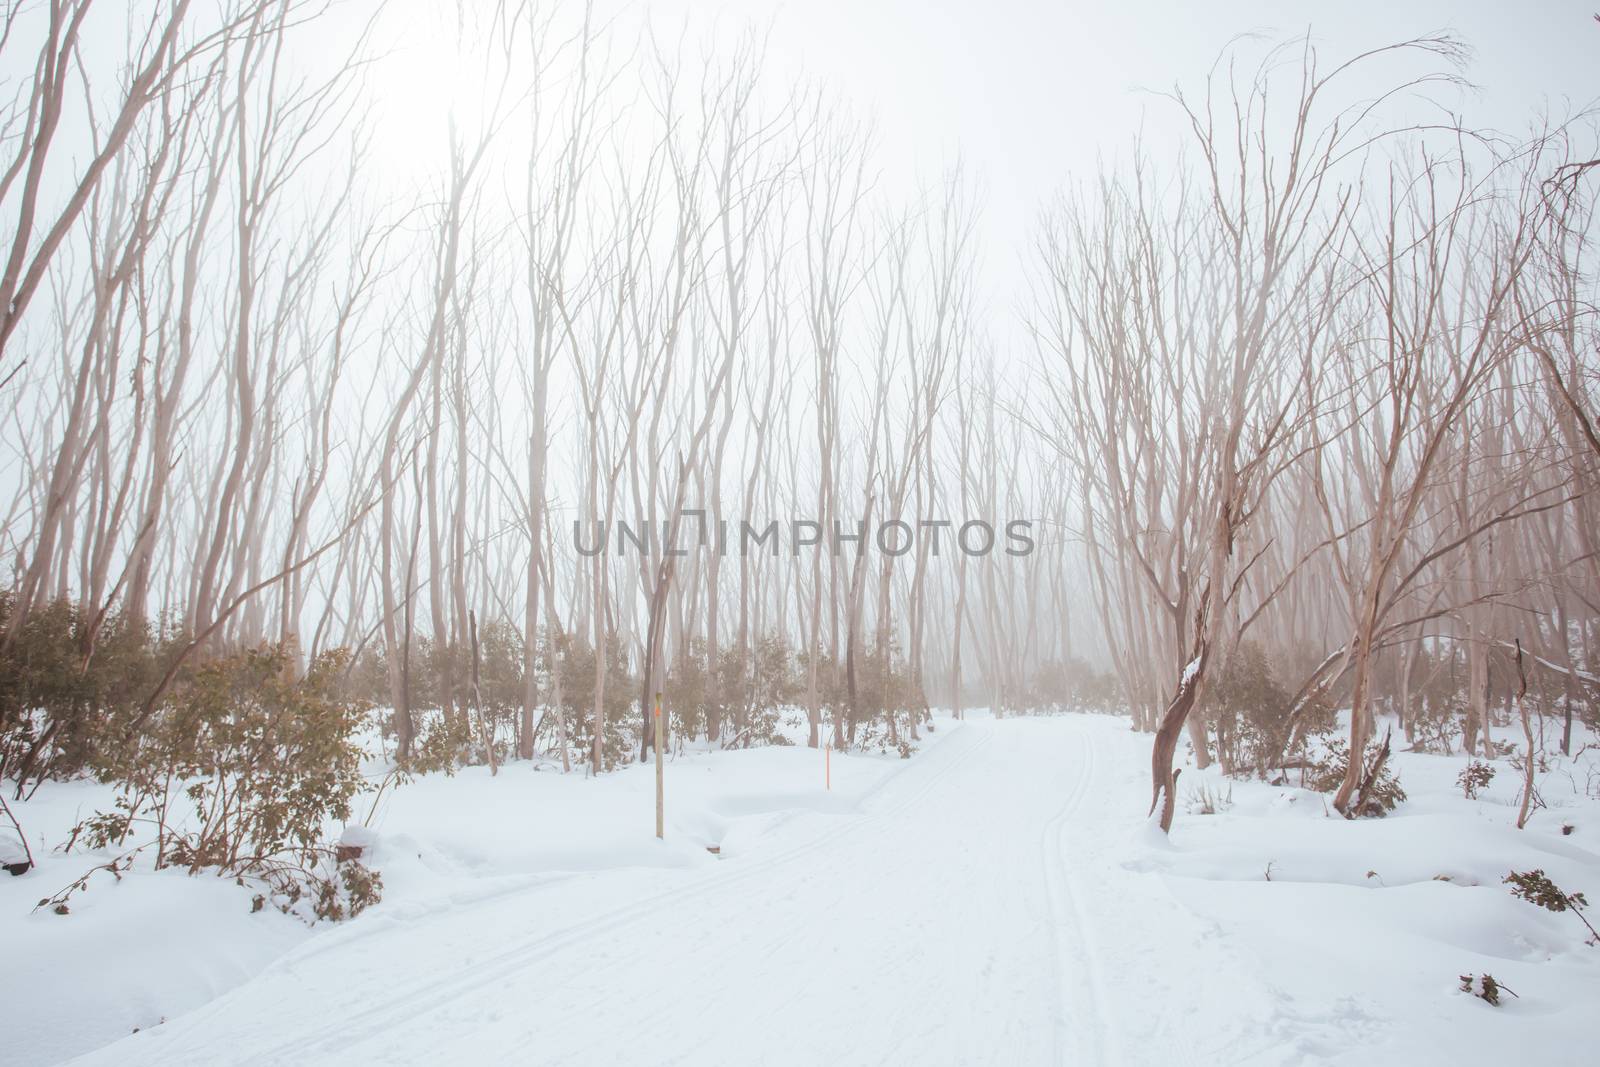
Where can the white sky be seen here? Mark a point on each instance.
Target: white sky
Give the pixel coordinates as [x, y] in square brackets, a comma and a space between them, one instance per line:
[1031, 92]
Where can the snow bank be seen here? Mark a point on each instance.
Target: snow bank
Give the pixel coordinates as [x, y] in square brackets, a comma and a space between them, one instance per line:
[1359, 930]
[129, 954]
[1004, 897]
[134, 952]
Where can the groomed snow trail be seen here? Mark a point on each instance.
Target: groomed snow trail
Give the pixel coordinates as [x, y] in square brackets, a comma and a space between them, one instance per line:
[950, 920]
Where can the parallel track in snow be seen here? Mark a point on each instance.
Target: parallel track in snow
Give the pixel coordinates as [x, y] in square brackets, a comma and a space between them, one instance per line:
[1080, 1023]
[925, 776]
[941, 922]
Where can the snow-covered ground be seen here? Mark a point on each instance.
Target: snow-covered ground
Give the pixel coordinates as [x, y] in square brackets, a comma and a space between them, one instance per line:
[996, 898]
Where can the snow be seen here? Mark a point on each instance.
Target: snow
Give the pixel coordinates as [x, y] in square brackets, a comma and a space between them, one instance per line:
[1364, 928]
[359, 836]
[129, 954]
[155, 945]
[999, 897]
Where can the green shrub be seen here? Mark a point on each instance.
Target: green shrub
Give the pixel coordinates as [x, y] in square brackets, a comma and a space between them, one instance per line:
[69, 689]
[1327, 771]
[1248, 713]
[240, 772]
[1536, 888]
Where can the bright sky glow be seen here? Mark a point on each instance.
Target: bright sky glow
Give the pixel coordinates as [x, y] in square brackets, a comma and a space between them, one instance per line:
[1028, 94]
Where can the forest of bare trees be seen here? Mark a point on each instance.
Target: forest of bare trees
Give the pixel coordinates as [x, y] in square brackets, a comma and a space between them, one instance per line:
[652, 385]
[1330, 390]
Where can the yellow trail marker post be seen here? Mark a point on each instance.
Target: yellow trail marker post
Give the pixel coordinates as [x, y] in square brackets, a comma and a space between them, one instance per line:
[661, 744]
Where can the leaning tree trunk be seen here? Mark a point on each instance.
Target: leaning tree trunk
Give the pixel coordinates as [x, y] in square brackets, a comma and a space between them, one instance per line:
[1163, 779]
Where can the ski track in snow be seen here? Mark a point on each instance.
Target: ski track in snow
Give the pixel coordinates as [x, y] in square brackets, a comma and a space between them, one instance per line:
[1081, 1030]
[508, 963]
[947, 920]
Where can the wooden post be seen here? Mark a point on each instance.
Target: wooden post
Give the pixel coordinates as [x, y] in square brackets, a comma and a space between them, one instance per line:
[1527, 733]
[661, 809]
[827, 766]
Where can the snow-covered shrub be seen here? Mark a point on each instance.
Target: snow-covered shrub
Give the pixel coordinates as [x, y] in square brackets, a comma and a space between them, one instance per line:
[239, 772]
[355, 888]
[1484, 987]
[832, 696]
[1202, 799]
[494, 703]
[1327, 771]
[868, 700]
[689, 693]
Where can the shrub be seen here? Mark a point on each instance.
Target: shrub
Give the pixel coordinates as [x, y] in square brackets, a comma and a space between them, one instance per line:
[456, 724]
[1434, 722]
[1536, 888]
[1477, 775]
[1249, 714]
[240, 772]
[69, 689]
[888, 702]
[692, 698]
[444, 742]
[621, 700]
[1071, 685]
[769, 684]
[1327, 771]
[1484, 987]
[1201, 799]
